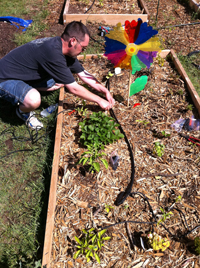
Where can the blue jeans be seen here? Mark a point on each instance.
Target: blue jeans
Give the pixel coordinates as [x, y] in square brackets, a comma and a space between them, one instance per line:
[15, 91]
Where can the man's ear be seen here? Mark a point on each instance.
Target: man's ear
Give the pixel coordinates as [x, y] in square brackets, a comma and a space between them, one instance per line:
[71, 41]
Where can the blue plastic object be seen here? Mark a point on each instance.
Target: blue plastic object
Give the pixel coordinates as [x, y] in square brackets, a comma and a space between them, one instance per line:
[21, 22]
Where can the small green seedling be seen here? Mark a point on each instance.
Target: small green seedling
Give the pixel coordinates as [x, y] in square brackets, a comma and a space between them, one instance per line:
[90, 243]
[164, 216]
[165, 134]
[190, 107]
[159, 149]
[178, 199]
[161, 61]
[142, 122]
[108, 208]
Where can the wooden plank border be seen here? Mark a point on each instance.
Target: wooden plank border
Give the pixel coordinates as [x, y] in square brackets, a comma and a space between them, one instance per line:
[110, 19]
[53, 187]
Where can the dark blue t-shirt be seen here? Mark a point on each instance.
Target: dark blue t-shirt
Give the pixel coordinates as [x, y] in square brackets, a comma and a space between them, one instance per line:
[37, 60]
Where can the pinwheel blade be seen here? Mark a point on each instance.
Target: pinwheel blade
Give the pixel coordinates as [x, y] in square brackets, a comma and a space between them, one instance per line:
[138, 85]
[145, 33]
[136, 64]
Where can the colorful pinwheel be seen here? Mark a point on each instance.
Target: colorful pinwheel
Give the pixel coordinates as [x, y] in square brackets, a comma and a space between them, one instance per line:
[132, 47]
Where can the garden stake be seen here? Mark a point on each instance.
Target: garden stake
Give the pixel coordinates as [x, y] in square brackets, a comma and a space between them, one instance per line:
[129, 87]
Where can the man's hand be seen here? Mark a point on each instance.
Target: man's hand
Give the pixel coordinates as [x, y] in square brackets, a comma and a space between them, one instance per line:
[110, 98]
[104, 104]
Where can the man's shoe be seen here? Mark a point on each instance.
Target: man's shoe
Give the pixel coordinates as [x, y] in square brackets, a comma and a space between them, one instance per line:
[30, 119]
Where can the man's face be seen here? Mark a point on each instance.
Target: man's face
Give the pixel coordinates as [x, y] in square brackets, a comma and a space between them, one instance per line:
[77, 46]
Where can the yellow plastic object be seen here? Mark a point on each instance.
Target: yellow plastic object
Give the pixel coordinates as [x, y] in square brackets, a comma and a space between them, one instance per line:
[131, 49]
[153, 44]
[119, 34]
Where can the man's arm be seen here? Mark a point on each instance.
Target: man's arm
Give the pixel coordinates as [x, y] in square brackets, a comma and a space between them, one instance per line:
[85, 94]
[93, 82]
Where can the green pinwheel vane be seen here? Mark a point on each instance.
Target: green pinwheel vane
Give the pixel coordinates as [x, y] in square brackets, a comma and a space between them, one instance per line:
[132, 47]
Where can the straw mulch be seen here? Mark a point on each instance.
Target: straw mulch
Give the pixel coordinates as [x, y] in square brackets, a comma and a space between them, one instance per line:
[82, 197]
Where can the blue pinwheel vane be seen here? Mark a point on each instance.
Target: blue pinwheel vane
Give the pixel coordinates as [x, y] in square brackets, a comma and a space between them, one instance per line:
[132, 47]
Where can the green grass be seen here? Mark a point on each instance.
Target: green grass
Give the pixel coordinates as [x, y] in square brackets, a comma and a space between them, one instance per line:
[25, 161]
[192, 71]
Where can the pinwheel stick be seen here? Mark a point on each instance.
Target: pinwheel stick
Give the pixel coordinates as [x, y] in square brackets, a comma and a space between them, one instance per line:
[129, 87]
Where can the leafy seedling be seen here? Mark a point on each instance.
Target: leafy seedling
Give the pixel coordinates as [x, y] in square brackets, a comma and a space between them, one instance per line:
[158, 149]
[165, 215]
[90, 244]
[92, 156]
[108, 208]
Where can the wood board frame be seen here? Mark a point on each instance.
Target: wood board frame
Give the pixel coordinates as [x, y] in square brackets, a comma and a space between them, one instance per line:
[54, 177]
[110, 19]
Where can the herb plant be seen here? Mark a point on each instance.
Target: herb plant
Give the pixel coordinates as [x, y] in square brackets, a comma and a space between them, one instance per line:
[91, 157]
[90, 243]
[99, 129]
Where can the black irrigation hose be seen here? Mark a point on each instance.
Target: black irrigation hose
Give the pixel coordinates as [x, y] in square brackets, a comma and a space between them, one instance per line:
[89, 7]
[123, 195]
[179, 25]
[33, 137]
[192, 53]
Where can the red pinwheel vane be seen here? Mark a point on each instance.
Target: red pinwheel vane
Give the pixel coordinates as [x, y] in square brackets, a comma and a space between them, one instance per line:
[132, 47]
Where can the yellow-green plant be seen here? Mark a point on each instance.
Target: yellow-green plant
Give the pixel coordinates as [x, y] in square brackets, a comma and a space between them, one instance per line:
[157, 242]
[90, 244]
[108, 208]
[142, 122]
[161, 61]
[159, 149]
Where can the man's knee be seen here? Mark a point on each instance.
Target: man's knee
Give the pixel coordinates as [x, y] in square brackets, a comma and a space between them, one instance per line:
[32, 99]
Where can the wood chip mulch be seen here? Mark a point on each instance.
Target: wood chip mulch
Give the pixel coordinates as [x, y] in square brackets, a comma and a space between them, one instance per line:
[82, 197]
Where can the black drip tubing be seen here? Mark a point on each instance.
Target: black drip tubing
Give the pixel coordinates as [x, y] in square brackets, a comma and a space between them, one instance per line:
[179, 25]
[123, 195]
[89, 7]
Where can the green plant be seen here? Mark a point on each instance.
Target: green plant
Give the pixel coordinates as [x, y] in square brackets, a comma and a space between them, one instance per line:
[164, 216]
[108, 208]
[91, 156]
[101, 3]
[157, 242]
[180, 92]
[190, 107]
[158, 149]
[197, 245]
[142, 122]
[90, 243]
[160, 60]
[165, 134]
[99, 129]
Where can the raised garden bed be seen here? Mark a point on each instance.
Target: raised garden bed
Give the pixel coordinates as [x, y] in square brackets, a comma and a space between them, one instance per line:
[195, 4]
[81, 197]
[106, 12]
